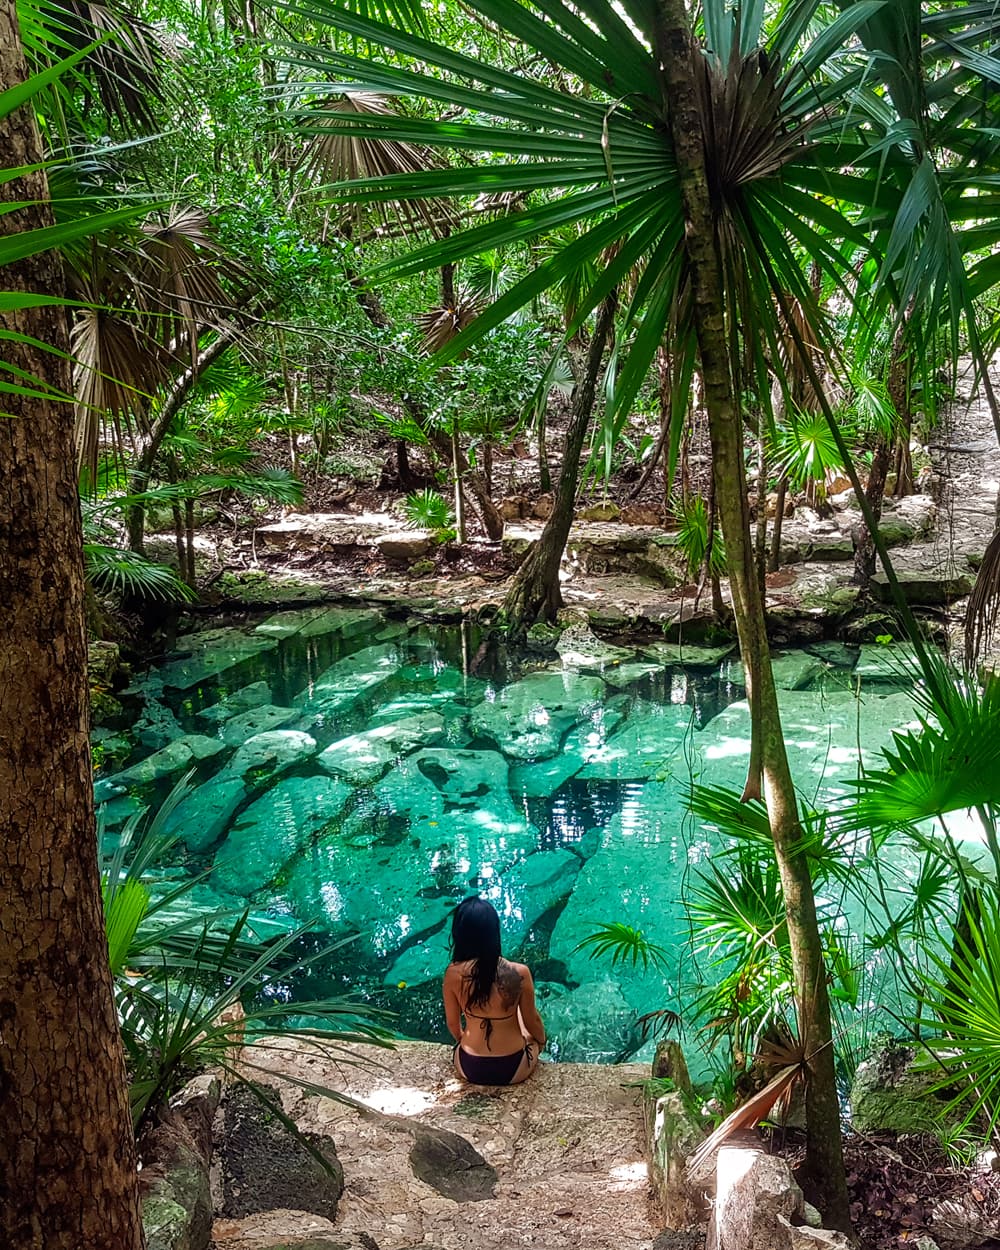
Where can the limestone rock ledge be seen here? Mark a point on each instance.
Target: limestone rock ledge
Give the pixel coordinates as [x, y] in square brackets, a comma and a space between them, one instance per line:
[432, 1162]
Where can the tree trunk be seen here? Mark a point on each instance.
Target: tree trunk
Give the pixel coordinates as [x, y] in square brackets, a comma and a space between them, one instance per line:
[534, 593]
[864, 547]
[180, 388]
[470, 477]
[774, 555]
[67, 1155]
[768, 760]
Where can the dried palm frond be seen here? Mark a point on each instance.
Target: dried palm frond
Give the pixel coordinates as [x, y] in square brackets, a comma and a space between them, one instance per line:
[339, 156]
[440, 325]
[117, 367]
[984, 606]
[178, 276]
[748, 1115]
[123, 73]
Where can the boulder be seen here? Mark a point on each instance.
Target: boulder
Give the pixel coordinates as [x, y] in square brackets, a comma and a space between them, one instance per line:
[258, 720]
[203, 816]
[514, 507]
[641, 514]
[673, 1132]
[542, 508]
[242, 700]
[600, 512]
[451, 1166]
[103, 662]
[274, 829]
[755, 1199]
[892, 1093]
[174, 1182]
[962, 1223]
[591, 1024]
[265, 755]
[579, 648]
[529, 719]
[405, 545]
[927, 586]
[364, 757]
[265, 1168]
[157, 726]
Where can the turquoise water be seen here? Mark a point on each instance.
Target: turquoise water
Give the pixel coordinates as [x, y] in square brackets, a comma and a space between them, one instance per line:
[364, 774]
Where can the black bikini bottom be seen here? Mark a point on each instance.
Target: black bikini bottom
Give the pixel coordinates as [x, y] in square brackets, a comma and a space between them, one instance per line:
[490, 1069]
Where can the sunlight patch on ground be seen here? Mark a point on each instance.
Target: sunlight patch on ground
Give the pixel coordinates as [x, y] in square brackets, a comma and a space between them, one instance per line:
[400, 1100]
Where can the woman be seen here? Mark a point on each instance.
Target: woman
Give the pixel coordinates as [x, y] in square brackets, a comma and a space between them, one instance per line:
[503, 1031]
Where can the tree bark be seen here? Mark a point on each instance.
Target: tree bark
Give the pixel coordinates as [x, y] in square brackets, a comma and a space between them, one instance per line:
[534, 593]
[768, 760]
[864, 546]
[67, 1156]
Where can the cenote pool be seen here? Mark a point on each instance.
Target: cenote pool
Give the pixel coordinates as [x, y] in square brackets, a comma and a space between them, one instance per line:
[363, 774]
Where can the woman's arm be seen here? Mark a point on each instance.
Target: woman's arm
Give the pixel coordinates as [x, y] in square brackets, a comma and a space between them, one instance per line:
[452, 1006]
[526, 1006]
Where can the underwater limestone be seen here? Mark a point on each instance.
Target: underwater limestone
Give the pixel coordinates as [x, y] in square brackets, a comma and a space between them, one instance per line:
[521, 894]
[203, 816]
[591, 1024]
[793, 670]
[634, 878]
[364, 757]
[887, 662]
[320, 621]
[645, 744]
[169, 760]
[529, 719]
[683, 655]
[268, 754]
[630, 674]
[256, 721]
[822, 731]
[275, 828]
[213, 652]
[341, 686]
[543, 778]
[242, 700]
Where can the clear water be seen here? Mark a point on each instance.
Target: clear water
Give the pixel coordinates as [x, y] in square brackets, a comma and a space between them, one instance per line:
[404, 767]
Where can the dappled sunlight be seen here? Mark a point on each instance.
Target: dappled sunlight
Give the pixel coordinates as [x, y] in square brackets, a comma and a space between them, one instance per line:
[626, 1176]
[404, 1100]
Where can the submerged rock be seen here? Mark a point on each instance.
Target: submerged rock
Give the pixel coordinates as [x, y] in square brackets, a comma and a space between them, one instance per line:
[268, 754]
[241, 700]
[364, 757]
[591, 1024]
[167, 762]
[682, 655]
[579, 648]
[529, 719]
[643, 745]
[321, 621]
[342, 685]
[203, 816]
[257, 720]
[584, 743]
[274, 829]
[887, 662]
[213, 652]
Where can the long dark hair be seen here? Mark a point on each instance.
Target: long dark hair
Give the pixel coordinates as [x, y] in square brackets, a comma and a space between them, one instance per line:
[475, 938]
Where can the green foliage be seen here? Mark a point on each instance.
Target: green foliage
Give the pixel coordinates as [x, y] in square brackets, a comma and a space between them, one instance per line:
[805, 449]
[126, 574]
[693, 537]
[196, 987]
[427, 510]
[624, 944]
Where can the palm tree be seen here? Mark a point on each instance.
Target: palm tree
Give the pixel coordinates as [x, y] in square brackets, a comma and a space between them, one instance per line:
[702, 171]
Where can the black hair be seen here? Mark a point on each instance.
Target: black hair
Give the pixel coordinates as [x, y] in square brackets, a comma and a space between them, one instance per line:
[475, 938]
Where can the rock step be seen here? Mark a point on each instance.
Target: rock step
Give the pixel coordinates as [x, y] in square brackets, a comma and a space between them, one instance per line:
[433, 1162]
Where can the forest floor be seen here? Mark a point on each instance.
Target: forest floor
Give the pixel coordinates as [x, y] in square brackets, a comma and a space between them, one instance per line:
[349, 539]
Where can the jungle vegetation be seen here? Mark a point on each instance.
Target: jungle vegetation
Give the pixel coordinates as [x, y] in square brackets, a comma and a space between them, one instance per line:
[228, 228]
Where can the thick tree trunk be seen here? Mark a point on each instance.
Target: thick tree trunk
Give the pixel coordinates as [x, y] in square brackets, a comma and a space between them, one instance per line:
[67, 1156]
[534, 593]
[769, 762]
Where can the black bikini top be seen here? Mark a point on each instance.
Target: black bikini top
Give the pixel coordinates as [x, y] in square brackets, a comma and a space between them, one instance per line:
[487, 1023]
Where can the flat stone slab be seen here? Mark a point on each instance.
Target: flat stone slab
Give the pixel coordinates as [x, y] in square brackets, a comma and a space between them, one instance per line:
[167, 762]
[642, 745]
[578, 648]
[342, 685]
[268, 754]
[529, 719]
[242, 700]
[566, 1150]
[584, 743]
[674, 654]
[213, 652]
[887, 662]
[203, 816]
[274, 829]
[930, 586]
[258, 720]
[364, 757]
